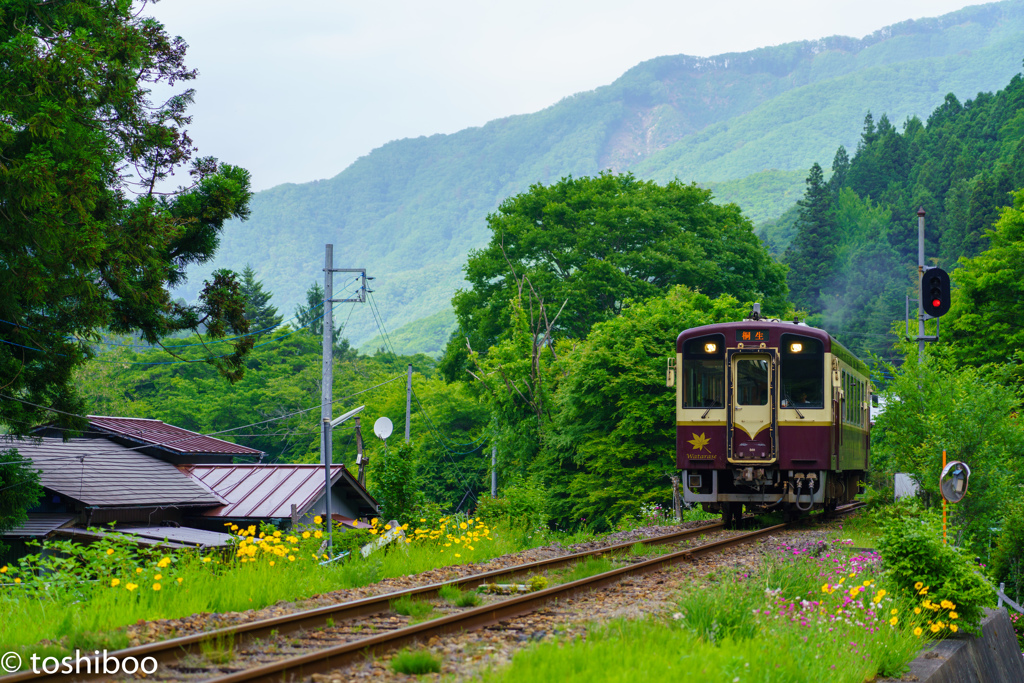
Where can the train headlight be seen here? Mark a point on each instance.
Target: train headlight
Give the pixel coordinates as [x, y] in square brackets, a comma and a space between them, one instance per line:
[711, 347]
[796, 347]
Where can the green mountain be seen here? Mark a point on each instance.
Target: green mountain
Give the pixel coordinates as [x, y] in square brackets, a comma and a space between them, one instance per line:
[747, 125]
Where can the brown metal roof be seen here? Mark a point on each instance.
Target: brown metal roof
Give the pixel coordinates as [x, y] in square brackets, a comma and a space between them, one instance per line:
[162, 536]
[39, 524]
[268, 490]
[102, 473]
[166, 436]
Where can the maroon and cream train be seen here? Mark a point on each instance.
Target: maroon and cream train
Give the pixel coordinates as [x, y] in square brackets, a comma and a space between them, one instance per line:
[769, 414]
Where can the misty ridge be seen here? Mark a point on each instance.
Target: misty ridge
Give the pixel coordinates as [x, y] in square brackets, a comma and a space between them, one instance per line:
[746, 125]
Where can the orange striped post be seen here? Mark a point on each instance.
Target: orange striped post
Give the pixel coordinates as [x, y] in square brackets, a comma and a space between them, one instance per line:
[943, 502]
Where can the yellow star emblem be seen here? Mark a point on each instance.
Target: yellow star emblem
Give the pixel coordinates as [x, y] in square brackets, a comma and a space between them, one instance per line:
[699, 441]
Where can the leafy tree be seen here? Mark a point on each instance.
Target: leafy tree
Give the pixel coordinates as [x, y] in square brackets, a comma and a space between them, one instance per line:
[87, 241]
[19, 490]
[591, 243]
[394, 485]
[611, 446]
[933, 405]
[985, 312]
[258, 311]
[812, 254]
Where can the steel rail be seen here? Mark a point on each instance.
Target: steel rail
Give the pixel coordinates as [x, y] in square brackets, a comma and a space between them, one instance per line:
[172, 650]
[326, 659]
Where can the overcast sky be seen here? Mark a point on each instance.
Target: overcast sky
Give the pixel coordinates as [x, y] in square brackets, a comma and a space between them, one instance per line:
[298, 92]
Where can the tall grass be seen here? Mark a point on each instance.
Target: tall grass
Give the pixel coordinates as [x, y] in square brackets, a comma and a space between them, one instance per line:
[766, 626]
[81, 608]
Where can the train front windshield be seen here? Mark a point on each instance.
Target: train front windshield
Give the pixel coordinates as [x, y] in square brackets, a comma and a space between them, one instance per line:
[704, 372]
[751, 382]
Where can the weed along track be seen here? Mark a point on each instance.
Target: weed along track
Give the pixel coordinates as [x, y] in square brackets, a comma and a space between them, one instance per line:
[299, 645]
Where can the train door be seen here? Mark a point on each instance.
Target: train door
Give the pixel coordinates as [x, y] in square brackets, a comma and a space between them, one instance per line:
[753, 422]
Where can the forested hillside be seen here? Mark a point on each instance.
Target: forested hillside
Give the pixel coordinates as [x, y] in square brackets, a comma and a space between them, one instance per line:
[411, 210]
[853, 253]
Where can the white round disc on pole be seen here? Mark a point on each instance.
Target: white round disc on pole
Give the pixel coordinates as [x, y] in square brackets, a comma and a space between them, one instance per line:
[383, 427]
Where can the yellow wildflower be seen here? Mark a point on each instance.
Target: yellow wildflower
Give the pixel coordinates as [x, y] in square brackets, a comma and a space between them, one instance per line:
[138, 570]
[271, 563]
[115, 582]
[318, 520]
[291, 558]
[206, 559]
[422, 519]
[318, 534]
[179, 579]
[946, 604]
[954, 615]
[954, 628]
[918, 586]
[934, 628]
[110, 551]
[462, 525]
[894, 611]
[894, 621]
[130, 586]
[158, 577]
[918, 631]
[305, 534]
[387, 527]
[164, 561]
[3, 569]
[457, 555]
[917, 610]
[18, 580]
[277, 534]
[252, 530]
[156, 586]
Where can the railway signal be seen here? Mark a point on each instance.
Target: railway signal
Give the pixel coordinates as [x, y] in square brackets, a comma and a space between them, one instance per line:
[935, 292]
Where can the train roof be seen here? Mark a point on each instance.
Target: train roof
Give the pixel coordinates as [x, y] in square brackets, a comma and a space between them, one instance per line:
[831, 345]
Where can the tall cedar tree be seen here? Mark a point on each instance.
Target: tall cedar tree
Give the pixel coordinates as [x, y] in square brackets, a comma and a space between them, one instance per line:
[86, 240]
[812, 255]
[258, 311]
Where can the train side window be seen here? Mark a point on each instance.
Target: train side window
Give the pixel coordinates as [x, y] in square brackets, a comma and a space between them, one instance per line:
[802, 372]
[704, 372]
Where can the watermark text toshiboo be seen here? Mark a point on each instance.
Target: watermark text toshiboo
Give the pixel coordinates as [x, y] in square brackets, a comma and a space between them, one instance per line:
[96, 663]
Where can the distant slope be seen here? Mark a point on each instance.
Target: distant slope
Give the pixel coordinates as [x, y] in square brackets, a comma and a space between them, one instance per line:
[412, 209]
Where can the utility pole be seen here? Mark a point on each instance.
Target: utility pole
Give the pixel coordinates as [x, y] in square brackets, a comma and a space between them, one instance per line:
[494, 471]
[327, 377]
[408, 403]
[920, 278]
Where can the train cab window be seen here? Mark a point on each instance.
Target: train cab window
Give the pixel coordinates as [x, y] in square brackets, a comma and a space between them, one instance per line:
[704, 372]
[751, 382]
[801, 372]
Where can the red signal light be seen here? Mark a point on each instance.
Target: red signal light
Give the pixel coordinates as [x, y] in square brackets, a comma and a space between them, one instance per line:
[936, 303]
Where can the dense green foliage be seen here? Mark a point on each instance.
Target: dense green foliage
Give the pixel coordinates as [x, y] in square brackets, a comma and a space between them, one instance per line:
[933, 405]
[1008, 556]
[960, 166]
[920, 564]
[86, 241]
[585, 246]
[611, 443]
[20, 489]
[985, 316]
[411, 210]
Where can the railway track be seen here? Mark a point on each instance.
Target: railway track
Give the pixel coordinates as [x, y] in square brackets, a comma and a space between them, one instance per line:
[315, 647]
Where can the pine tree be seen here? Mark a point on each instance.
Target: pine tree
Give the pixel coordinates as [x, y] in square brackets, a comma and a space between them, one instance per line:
[311, 315]
[258, 311]
[840, 167]
[812, 254]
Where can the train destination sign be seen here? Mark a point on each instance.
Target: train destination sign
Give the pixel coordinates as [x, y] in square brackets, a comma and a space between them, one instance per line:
[751, 335]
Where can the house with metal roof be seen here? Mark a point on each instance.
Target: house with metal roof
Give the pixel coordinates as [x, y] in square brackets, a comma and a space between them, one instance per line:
[281, 494]
[170, 486]
[156, 438]
[92, 482]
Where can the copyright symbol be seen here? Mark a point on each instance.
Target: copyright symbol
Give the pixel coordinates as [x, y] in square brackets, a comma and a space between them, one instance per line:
[10, 662]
